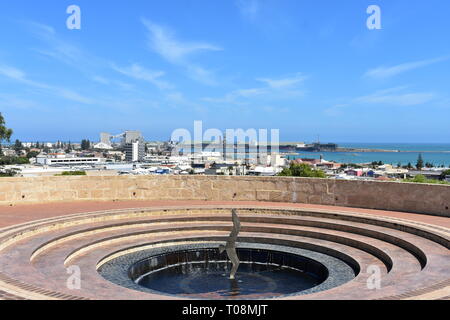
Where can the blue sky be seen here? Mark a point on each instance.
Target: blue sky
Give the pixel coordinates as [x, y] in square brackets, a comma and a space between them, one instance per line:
[306, 67]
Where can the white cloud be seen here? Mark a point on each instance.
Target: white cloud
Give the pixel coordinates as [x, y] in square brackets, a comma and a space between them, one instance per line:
[138, 72]
[280, 88]
[283, 82]
[163, 42]
[60, 49]
[236, 96]
[12, 73]
[20, 76]
[396, 96]
[387, 72]
[11, 101]
[249, 9]
[201, 74]
[101, 80]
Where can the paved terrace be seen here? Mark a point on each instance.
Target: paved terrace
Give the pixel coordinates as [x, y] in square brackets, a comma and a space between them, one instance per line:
[17, 214]
[49, 223]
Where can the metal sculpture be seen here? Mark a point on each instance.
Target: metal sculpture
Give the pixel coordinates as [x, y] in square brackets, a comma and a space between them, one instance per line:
[230, 246]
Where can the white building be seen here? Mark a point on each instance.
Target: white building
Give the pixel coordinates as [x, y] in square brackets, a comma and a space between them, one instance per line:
[62, 159]
[135, 151]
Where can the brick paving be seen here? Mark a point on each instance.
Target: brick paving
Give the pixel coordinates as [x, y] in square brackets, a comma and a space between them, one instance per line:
[18, 214]
[12, 215]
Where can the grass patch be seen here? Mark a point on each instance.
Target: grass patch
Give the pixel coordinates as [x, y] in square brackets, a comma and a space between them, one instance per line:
[72, 173]
[422, 179]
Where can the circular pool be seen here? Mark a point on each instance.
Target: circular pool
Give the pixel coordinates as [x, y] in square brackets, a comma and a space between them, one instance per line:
[205, 273]
[201, 272]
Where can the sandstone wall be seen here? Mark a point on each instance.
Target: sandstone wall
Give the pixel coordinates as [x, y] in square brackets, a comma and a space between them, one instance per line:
[421, 198]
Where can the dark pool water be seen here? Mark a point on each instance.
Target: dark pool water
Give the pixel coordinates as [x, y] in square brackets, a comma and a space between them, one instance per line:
[208, 277]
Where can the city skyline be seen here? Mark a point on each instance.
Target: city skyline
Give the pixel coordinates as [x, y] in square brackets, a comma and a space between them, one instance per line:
[303, 67]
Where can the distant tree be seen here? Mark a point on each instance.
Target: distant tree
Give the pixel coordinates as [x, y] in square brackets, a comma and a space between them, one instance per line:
[13, 160]
[399, 165]
[85, 144]
[419, 164]
[302, 170]
[444, 174]
[429, 165]
[5, 133]
[69, 147]
[18, 145]
[409, 166]
[32, 154]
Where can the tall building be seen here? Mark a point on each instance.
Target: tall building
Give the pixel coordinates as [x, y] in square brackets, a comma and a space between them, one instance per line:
[135, 150]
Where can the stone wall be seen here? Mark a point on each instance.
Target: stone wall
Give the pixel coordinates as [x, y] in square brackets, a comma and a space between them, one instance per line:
[421, 198]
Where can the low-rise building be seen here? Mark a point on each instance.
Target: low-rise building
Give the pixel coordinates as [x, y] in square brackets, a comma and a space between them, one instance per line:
[65, 160]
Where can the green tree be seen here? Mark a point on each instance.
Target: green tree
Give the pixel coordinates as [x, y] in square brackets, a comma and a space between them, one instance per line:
[69, 147]
[302, 170]
[32, 154]
[5, 133]
[444, 174]
[85, 144]
[419, 164]
[13, 160]
[18, 145]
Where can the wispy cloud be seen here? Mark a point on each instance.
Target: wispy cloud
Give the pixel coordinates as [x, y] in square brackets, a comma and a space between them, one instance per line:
[236, 96]
[12, 73]
[163, 41]
[393, 97]
[107, 82]
[20, 76]
[60, 49]
[249, 9]
[278, 88]
[138, 72]
[387, 72]
[286, 82]
[10, 101]
[397, 97]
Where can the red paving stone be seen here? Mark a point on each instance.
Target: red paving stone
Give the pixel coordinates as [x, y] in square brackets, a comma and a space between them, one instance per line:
[12, 215]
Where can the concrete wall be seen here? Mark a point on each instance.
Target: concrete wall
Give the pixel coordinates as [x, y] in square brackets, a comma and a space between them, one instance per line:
[421, 198]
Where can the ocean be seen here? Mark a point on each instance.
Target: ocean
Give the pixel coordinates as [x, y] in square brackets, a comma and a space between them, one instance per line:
[437, 154]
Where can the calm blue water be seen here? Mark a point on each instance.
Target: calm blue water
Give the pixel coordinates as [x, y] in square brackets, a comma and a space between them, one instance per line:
[438, 154]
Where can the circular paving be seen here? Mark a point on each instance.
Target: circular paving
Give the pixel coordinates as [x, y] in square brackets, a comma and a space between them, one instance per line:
[89, 255]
